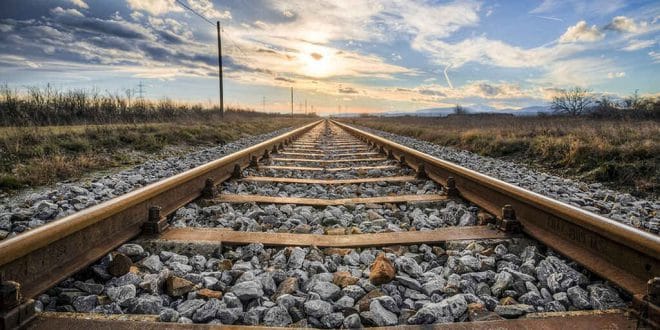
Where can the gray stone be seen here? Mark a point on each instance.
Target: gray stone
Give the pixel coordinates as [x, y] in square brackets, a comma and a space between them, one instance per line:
[345, 302]
[121, 293]
[332, 320]
[562, 297]
[188, 307]
[277, 317]
[434, 286]
[513, 311]
[380, 315]
[91, 288]
[502, 281]
[254, 315]
[554, 306]
[326, 290]
[168, 315]
[604, 297]
[532, 298]
[457, 305]
[247, 290]
[146, 304]
[152, 263]
[131, 250]
[409, 266]
[352, 322]
[409, 282]
[84, 303]
[296, 258]
[207, 312]
[578, 297]
[229, 315]
[317, 308]
[286, 300]
[388, 302]
[179, 269]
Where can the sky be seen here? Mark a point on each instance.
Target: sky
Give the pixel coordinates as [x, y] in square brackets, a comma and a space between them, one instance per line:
[340, 55]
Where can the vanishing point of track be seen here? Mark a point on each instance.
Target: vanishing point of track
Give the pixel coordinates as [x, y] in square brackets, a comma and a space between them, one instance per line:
[35, 261]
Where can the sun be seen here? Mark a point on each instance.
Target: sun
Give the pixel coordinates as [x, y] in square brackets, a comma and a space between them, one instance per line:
[317, 63]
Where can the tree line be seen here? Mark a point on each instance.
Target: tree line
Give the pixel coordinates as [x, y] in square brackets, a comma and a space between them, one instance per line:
[578, 101]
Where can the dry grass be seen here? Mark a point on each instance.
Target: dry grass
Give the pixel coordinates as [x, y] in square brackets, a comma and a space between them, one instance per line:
[625, 154]
[39, 155]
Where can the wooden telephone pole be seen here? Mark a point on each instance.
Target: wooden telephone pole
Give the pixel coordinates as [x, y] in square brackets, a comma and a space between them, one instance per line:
[222, 105]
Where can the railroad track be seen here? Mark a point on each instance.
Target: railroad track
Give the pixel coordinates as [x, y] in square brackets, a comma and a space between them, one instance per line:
[330, 226]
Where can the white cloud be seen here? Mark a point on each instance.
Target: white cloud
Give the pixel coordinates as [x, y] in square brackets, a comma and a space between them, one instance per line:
[583, 72]
[136, 15]
[581, 32]
[627, 25]
[59, 11]
[80, 3]
[612, 75]
[655, 56]
[4, 28]
[205, 7]
[154, 7]
[636, 44]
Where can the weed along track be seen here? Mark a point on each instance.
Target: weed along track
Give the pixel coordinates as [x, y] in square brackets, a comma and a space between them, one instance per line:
[328, 226]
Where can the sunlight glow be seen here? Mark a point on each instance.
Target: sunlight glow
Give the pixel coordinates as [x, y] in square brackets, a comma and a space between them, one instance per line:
[317, 62]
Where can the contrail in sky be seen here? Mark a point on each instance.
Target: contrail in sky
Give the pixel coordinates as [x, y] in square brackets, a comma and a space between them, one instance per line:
[549, 18]
[447, 77]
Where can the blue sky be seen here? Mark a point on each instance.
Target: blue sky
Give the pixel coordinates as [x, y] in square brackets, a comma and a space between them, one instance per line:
[361, 56]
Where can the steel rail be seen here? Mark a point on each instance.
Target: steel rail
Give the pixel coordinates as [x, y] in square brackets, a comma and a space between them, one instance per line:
[621, 254]
[40, 258]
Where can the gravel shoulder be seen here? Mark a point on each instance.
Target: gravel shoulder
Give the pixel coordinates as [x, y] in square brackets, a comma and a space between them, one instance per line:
[594, 197]
[30, 210]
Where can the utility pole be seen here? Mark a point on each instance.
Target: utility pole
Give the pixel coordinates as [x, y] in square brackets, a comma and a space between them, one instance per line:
[141, 91]
[222, 105]
[292, 102]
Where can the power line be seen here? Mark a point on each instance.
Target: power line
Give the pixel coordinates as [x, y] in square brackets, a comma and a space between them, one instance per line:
[194, 12]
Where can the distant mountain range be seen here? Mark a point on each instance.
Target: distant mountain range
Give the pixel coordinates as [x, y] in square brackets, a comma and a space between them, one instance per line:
[442, 112]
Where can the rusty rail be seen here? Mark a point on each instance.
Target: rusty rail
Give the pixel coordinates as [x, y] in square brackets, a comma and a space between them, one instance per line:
[42, 257]
[621, 254]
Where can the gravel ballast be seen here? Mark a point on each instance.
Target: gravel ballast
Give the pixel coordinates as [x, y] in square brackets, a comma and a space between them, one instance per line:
[594, 197]
[331, 288]
[21, 213]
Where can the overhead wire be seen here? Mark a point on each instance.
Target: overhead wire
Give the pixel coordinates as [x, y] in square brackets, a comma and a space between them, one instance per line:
[210, 22]
[194, 12]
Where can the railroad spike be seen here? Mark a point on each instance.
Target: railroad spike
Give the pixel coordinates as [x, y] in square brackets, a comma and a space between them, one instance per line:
[266, 154]
[274, 151]
[390, 154]
[402, 160]
[155, 223]
[254, 162]
[14, 312]
[10, 295]
[653, 288]
[452, 191]
[508, 222]
[421, 172]
[209, 189]
[237, 173]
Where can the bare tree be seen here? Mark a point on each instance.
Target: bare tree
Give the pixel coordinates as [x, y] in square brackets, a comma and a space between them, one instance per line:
[574, 101]
[460, 110]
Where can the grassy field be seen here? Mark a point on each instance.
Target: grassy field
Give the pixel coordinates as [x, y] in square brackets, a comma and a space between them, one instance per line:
[41, 155]
[624, 154]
